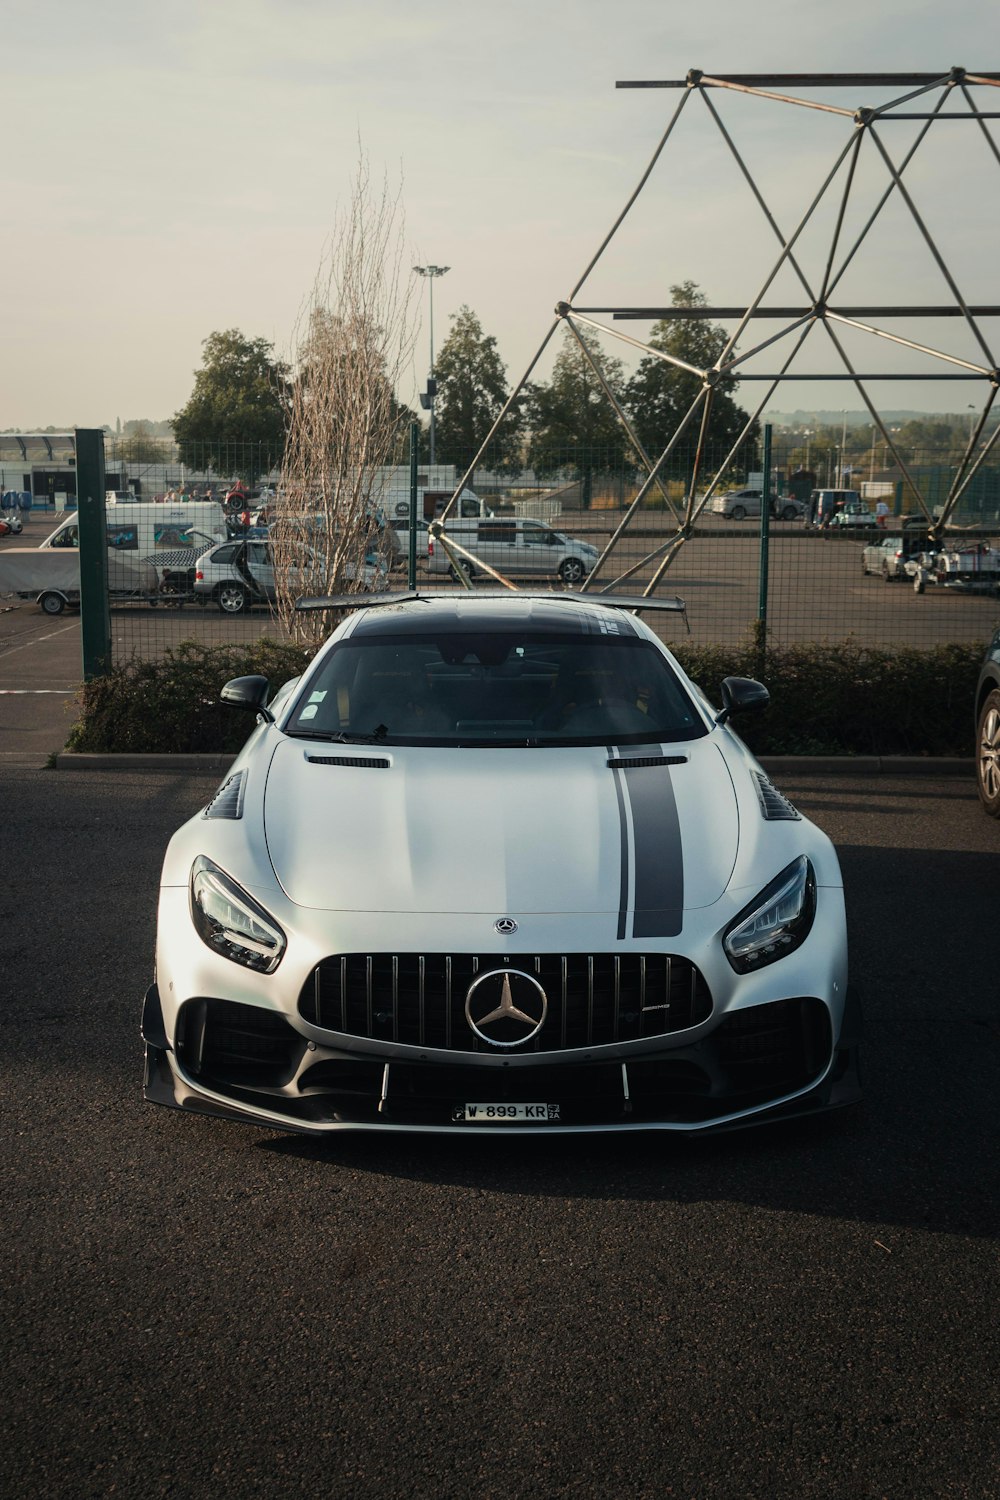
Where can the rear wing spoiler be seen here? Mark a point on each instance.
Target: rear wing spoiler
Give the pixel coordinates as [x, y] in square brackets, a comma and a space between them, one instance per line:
[637, 603]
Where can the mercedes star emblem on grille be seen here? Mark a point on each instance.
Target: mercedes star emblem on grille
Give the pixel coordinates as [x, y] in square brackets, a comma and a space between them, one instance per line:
[506, 1008]
[506, 925]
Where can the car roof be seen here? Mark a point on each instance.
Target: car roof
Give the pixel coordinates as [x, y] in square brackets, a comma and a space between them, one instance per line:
[473, 612]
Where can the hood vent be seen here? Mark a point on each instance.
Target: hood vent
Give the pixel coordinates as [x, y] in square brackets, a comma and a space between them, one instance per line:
[362, 762]
[228, 800]
[773, 805]
[630, 762]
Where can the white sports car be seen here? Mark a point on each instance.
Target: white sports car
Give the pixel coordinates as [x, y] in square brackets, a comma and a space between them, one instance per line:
[495, 864]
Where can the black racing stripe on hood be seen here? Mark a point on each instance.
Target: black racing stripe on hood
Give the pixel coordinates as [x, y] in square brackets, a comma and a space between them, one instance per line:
[658, 899]
[616, 764]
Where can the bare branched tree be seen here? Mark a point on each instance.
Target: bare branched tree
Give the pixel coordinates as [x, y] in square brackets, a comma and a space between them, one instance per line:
[353, 342]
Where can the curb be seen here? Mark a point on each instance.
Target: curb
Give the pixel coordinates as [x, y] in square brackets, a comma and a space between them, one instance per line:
[216, 764]
[868, 765]
[205, 764]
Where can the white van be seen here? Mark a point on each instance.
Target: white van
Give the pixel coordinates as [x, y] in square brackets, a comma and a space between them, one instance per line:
[430, 503]
[516, 548]
[152, 530]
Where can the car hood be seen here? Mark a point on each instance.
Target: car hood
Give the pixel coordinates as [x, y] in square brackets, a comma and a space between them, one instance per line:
[404, 829]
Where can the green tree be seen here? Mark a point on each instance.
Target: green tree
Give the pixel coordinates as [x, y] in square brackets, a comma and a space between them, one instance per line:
[471, 392]
[932, 437]
[234, 419]
[573, 424]
[659, 394]
[140, 446]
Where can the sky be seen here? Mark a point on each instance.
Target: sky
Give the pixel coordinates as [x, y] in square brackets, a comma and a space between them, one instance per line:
[179, 167]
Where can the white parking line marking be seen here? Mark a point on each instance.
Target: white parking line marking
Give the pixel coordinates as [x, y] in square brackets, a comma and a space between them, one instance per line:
[31, 692]
[38, 640]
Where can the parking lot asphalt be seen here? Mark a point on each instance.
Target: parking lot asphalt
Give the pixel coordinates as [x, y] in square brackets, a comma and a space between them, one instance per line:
[193, 1308]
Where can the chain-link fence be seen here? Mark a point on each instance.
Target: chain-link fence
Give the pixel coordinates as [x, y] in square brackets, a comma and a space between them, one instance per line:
[845, 551]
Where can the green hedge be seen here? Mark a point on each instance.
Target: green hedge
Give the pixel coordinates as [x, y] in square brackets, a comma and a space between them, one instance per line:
[172, 705]
[825, 700]
[846, 699]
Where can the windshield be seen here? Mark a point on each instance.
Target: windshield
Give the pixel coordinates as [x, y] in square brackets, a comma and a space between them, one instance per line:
[504, 688]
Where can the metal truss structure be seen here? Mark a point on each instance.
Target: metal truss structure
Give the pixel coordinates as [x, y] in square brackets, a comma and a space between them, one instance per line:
[926, 98]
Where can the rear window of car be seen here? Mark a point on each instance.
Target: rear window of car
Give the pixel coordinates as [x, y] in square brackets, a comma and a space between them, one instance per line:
[500, 688]
[225, 554]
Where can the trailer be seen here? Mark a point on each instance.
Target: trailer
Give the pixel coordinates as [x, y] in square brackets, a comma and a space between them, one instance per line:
[970, 569]
[51, 576]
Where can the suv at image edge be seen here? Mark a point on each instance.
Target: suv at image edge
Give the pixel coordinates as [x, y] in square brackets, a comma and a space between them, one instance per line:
[988, 729]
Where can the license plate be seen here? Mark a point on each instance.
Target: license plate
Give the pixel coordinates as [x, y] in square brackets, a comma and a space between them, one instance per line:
[484, 1114]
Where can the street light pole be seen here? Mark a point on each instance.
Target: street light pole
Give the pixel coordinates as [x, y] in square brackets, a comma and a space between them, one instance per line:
[430, 273]
[843, 449]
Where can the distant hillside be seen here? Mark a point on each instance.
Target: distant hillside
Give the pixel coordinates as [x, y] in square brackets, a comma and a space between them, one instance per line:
[856, 418]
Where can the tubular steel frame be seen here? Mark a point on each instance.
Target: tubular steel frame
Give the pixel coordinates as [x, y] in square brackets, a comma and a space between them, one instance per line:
[816, 309]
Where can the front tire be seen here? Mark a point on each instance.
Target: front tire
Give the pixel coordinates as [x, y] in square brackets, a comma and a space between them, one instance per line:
[738, 513]
[231, 598]
[789, 513]
[988, 754]
[571, 570]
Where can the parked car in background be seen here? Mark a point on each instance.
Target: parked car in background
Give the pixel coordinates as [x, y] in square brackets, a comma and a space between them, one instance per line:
[987, 729]
[517, 548]
[494, 865]
[853, 513]
[743, 505]
[825, 504]
[239, 574]
[887, 558]
[884, 559]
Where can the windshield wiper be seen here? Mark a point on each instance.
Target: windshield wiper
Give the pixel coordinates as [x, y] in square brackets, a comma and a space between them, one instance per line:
[339, 736]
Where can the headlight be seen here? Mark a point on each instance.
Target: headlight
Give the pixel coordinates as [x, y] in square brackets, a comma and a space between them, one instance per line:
[776, 922]
[232, 923]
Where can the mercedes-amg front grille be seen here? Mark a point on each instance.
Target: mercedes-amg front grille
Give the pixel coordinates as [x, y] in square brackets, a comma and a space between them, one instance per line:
[594, 999]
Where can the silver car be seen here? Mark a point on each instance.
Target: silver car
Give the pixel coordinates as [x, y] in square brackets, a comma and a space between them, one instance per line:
[888, 557]
[493, 865]
[742, 505]
[238, 574]
[515, 547]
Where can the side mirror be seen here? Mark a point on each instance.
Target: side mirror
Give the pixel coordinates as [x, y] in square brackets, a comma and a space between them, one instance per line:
[248, 693]
[741, 695]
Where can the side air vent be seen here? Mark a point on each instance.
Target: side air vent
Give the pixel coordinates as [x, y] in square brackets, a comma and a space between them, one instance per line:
[629, 763]
[228, 800]
[772, 804]
[362, 762]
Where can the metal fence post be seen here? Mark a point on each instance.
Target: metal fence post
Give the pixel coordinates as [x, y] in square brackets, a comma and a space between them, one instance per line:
[765, 545]
[411, 565]
[95, 610]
